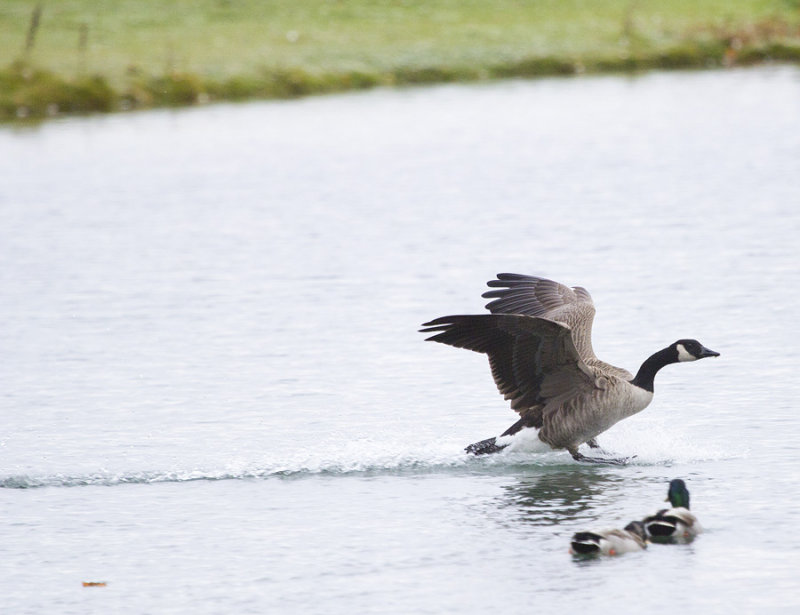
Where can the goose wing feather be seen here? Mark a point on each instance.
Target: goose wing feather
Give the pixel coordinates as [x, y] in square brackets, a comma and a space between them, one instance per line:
[531, 295]
[533, 360]
[534, 296]
[515, 293]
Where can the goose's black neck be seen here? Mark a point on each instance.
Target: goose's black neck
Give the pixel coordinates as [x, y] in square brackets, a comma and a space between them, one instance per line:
[647, 372]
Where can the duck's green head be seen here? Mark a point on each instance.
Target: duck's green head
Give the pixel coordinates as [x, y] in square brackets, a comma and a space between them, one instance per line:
[678, 494]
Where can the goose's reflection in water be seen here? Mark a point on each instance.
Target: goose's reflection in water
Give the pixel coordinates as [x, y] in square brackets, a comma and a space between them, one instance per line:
[555, 496]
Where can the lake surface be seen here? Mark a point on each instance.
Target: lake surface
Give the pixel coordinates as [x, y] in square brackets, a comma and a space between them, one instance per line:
[215, 398]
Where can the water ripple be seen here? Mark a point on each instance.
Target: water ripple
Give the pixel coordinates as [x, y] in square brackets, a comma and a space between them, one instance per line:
[356, 463]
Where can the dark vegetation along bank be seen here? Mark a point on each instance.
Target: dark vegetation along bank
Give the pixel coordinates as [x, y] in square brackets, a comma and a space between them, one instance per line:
[82, 56]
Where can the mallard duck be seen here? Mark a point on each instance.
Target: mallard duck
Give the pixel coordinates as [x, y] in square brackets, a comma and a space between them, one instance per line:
[676, 522]
[610, 541]
[538, 340]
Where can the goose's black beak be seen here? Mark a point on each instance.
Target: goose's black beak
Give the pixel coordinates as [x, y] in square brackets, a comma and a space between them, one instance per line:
[706, 352]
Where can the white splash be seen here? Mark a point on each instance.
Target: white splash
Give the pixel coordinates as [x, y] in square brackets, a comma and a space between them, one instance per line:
[526, 440]
[655, 441]
[658, 441]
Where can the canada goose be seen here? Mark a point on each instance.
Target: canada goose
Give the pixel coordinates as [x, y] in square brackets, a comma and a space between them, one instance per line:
[611, 541]
[538, 339]
[676, 522]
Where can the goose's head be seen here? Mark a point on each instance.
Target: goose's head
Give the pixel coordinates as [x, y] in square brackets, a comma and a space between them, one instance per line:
[691, 350]
[678, 494]
[680, 351]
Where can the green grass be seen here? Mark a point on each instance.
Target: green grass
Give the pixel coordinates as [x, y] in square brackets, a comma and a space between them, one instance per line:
[95, 55]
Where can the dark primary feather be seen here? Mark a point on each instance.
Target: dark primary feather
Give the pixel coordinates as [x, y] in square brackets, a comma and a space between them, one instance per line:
[532, 359]
[534, 296]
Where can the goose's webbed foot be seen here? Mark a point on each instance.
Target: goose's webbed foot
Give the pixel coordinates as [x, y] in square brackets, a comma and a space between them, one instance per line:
[584, 459]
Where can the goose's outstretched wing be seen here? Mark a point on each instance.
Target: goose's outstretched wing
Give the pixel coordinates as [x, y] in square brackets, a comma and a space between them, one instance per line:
[534, 360]
[533, 296]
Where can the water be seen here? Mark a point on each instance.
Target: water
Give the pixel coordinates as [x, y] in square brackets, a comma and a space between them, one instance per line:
[215, 399]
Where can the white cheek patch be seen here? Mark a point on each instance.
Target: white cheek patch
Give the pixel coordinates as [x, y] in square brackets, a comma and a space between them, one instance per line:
[685, 355]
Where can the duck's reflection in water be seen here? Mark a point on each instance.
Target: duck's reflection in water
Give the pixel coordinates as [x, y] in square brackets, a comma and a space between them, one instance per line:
[554, 496]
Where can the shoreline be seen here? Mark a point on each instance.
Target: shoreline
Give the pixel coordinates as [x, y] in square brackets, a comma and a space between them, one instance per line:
[128, 61]
[37, 94]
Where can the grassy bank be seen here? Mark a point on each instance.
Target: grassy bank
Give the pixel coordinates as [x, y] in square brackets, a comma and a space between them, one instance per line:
[64, 56]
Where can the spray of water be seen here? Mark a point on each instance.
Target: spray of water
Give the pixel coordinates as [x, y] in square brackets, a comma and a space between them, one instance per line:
[645, 444]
